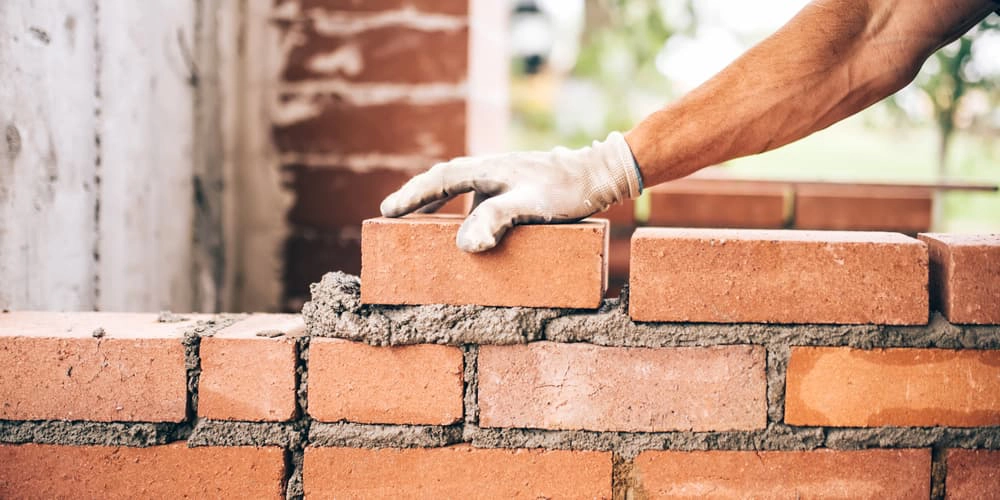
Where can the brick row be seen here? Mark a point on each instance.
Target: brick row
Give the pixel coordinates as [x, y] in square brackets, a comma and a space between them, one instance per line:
[167, 471]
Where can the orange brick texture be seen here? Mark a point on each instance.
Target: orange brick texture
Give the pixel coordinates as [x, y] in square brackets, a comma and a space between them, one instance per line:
[168, 471]
[419, 384]
[783, 474]
[775, 276]
[973, 474]
[456, 472]
[248, 369]
[414, 260]
[965, 276]
[843, 387]
[547, 385]
[55, 368]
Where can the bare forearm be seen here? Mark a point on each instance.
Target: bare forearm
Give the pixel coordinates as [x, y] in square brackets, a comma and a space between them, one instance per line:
[833, 59]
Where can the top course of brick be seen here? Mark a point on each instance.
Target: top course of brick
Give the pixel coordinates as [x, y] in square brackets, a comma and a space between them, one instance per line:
[965, 276]
[777, 276]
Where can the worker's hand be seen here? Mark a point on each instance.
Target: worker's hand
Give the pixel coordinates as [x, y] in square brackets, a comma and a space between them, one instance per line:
[558, 186]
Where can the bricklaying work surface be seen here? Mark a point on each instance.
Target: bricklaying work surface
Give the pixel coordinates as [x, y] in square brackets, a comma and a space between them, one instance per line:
[814, 364]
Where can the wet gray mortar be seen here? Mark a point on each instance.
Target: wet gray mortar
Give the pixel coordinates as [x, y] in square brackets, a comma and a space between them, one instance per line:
[336, 311]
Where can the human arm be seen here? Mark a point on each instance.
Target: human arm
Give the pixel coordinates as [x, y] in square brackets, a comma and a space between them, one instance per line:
[831, 60]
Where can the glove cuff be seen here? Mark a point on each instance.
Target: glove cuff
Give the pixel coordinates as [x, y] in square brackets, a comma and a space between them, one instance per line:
[626, 180]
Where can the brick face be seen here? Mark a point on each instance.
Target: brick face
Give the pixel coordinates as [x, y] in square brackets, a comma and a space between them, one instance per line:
[419, 384]
[699, 203]
[456, 472]
[775, 276]
[868, 208]
[414, 260]
[844, 387]
[55, 369]
[390, 54]
[973, 474]
[547, 385]
[339, 127]
[784, 474]
[965, 276]
[246, 376]
[168, 471]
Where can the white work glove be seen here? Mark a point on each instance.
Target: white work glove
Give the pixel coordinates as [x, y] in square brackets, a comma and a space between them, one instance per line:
[533, 187]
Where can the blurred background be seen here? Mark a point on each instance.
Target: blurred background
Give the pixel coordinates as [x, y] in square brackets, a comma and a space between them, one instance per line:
[221, 155]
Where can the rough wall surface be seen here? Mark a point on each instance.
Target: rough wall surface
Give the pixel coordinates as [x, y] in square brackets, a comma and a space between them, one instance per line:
[361, 447]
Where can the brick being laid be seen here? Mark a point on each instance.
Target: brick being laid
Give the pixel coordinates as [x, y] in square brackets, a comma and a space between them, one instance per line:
[965, 276]
[777, 276]
[414, 260]
[845, 387]
[95, 366]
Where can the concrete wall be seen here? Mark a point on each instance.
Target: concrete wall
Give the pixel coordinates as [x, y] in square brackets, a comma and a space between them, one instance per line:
[134, 131]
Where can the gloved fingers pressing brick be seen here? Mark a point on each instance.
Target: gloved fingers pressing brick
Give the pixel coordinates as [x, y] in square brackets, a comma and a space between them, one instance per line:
[441, 182]
[487, 223]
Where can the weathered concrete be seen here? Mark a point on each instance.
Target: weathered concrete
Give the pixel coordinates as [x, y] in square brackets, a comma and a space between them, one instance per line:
[336, 311]
[383, 436]
[91, 433]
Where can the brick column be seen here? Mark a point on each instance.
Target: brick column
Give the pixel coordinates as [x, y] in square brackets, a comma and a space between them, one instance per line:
[371, 93]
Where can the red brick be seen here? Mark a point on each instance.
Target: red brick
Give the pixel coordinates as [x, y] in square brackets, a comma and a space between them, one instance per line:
[168, 471]
[776, 276]
[973, 474]
[55, 369]
[418, 384]
[844, 387]
[965, 276]
[392, 54]
[339, 127]
[246, 376]
[331, 198]
[414, 260]
[456, 472]
[454, 7]
[863, 208]
[783, 474]
[732, 204]
[545, 385]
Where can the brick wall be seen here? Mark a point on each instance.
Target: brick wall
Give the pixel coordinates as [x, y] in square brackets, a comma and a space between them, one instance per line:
[827, 397]
[370, 94]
